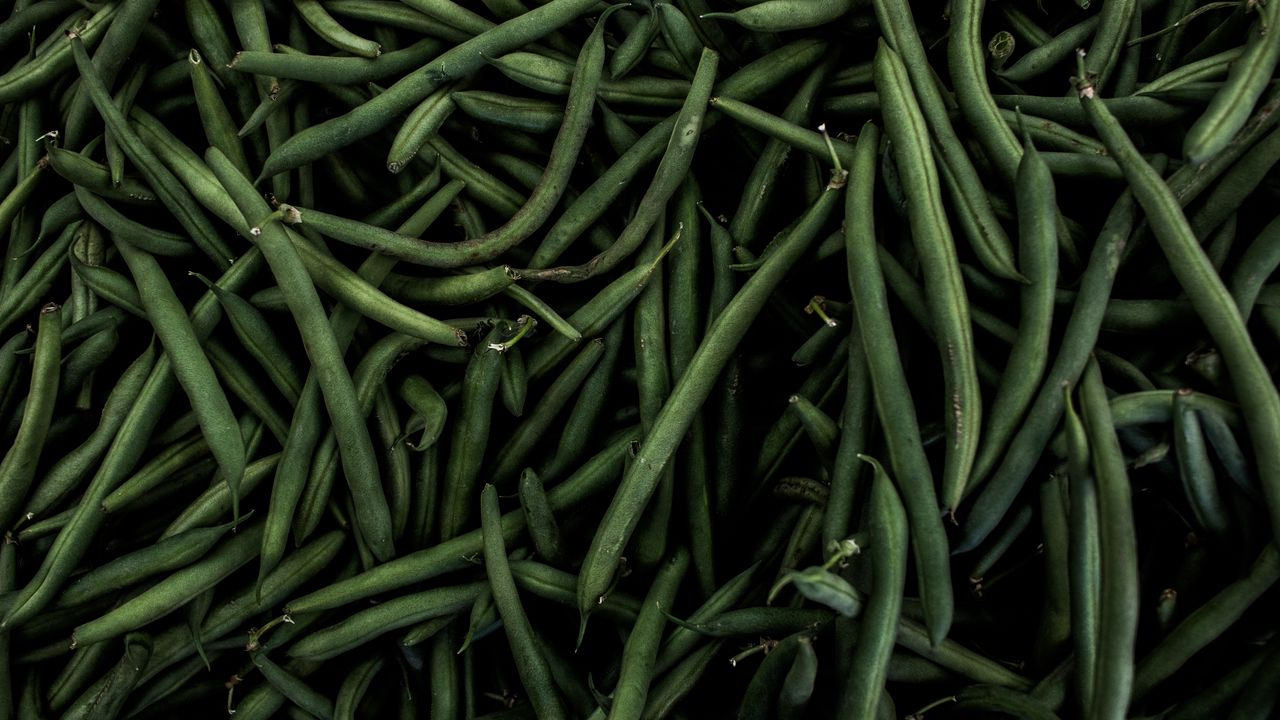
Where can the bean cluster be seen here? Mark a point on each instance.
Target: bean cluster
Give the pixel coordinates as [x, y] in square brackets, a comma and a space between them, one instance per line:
[847, 359]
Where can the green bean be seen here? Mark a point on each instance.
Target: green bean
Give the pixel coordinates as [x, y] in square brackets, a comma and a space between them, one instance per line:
[968, 74]
[256, 335]
[332, 32]
[368, 376]
[175, 197]
[237, 378]
[356, 447]
[451, 554]
[543, 529]
[156, 242]
[1118, 567]
[550, 75]
[427, 403]
[640, 652]
[672, 687]
[18, 468]
[444, 674]
[1004, 701]
[535, 116]
[25, 80]
[1079, 338]
[395, 460]
[10, 208]
[470, 286]
[189, 364]
[22, 20]
[219, 128]
[948, 305]
[106, 697]
[976, 218]
[869, 664]
[558, 586]
[1054, 632]
[72, 467]
[797, 686]
[671, 172]
[317, 141]
[292, 686]
[631, 49]
[777, 128]
[118, 42]
[366, 625]
[1232, 104]
[80, 170]
[653, 385]
[1260, 404]
[174, 591]
[782, 15]
[1048, 133]
[759, 621]
[1038, 253]
[172, 553]
[1198, 480]
[469, 436]
[680, 36]
[354, 687]
[398, 15]
[109, 285]
[762, 182]
[587, 409]
[421, 125]
[534, 672]
[957, 658]
[1206, 623]
[677, 414]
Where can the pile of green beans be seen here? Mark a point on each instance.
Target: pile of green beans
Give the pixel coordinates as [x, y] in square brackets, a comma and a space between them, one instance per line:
[848, 359]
